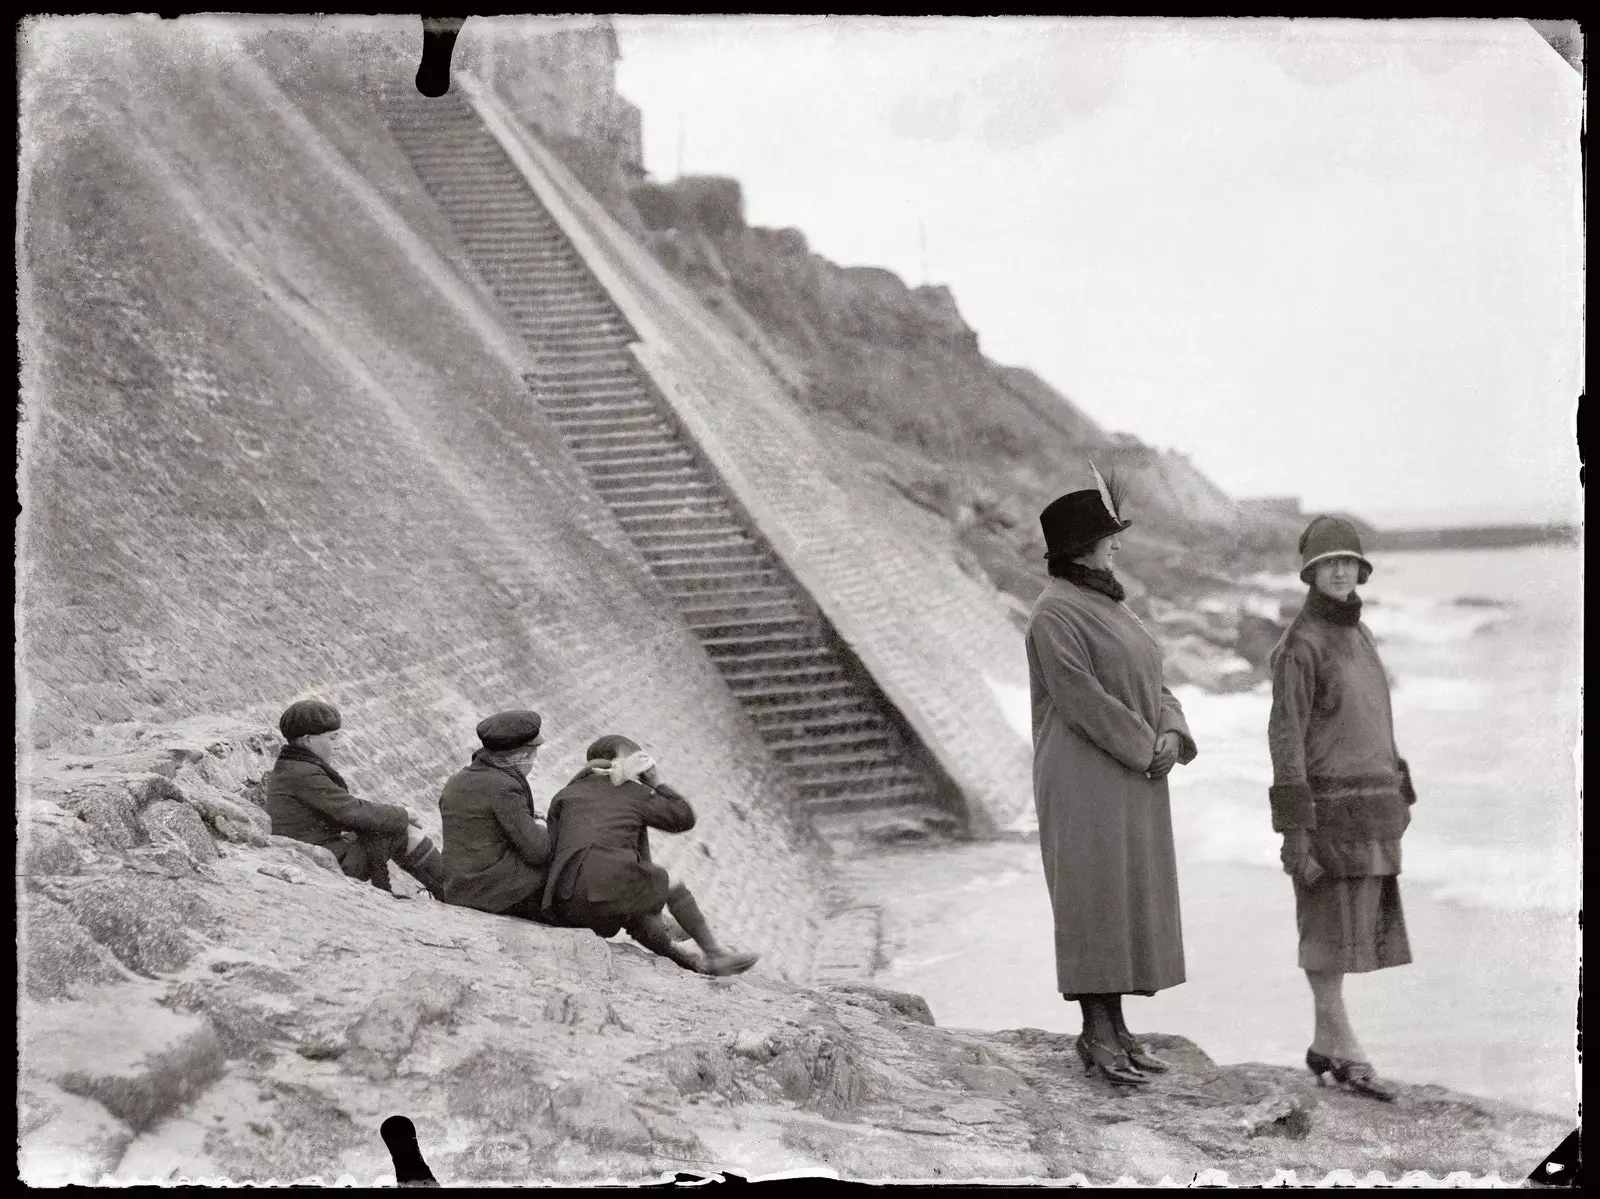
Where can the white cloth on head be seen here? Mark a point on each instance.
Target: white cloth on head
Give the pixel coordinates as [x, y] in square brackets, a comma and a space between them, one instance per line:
[623, 770]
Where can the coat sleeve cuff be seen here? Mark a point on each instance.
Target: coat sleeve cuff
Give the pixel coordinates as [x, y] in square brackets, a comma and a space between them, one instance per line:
[1292, 807]
[1187, 751]
[1407, 792]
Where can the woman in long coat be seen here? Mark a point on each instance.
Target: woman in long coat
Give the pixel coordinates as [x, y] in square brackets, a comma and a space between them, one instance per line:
[1105, 734]
[1341, 796]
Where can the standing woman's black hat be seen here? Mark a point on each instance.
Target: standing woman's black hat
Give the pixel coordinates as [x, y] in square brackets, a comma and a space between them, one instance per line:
[1078, 519]
[1330, 537]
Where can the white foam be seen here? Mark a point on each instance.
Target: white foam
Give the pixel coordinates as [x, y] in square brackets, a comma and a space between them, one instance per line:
[1431, 623]
[1016, 704]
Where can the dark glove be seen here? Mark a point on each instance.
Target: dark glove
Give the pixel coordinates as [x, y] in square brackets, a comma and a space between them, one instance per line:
[1407, 792]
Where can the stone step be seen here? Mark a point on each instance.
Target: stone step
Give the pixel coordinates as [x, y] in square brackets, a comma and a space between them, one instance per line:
[534, 257]
[609, 485]
[580, 422]
[518, 280]
[574, 356]
[632, 465]
[837, 745]
[798, 681]
[521, 246]
[650, 529]
[704, 608]
[511, 200]
[787, 719]
[600, 447]
[613, 370]
[894, 783]
[777, 662]
[684, 585]
[587, 387]
[489, 171]
[525, 280]
[651, 541]
[782, 737]
[684, 504]
[802, 638]
[575, 340]
[849, 767]
[698, 490]
[777, 624]
[763, 700]
[561, 321]
[698, 549]
[624, 401]
[719, 559]
[886, 800]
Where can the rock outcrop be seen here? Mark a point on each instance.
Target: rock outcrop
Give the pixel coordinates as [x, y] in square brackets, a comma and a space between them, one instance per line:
[236, 1012]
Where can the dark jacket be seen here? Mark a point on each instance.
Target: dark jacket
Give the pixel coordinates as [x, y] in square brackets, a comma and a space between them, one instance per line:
[600, 868]
[495, 845]
[1335, 770]
[308, 801]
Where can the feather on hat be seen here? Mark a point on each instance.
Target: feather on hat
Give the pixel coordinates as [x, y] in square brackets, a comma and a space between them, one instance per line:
[1111, 493]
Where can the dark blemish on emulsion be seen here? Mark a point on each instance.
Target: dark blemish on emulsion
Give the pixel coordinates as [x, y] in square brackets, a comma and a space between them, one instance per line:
[400, 1135]
[438, 44]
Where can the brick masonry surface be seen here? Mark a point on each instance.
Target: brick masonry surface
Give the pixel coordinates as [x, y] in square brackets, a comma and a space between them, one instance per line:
[935, 639]
[270, 451]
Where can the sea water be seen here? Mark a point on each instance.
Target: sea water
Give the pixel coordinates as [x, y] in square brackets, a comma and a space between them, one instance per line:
[1485, 651]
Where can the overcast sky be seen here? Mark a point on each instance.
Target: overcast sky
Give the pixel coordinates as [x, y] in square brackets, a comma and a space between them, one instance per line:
[1340, 260]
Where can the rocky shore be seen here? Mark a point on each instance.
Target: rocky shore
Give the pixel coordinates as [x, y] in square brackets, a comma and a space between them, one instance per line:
[200, 1000]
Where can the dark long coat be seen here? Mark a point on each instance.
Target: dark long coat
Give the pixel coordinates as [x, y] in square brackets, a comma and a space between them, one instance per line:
[495, 846]
[601, 875]
[1105, 830]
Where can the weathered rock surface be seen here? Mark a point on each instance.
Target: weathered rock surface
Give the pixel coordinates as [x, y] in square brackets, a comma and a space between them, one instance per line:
[230, 1025]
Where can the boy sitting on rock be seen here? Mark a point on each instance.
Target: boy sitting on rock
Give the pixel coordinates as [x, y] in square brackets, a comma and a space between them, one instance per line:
[495, 843]
[309, 800]
[601, 875]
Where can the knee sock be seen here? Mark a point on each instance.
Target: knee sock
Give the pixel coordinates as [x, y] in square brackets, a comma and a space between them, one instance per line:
[687, 913]
[425, 863]
[651, 932]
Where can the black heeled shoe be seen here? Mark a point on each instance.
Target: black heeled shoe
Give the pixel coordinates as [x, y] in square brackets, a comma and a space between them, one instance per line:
[1112, 1065]
[1363, 1079]
[1320, 1065]
[1357, 1076]
[1141, 1058]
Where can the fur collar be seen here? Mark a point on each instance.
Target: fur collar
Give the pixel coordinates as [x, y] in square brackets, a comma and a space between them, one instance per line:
[1102, 581]
[1325, 608]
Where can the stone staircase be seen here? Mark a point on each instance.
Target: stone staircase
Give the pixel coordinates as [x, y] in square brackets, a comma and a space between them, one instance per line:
[818, 712]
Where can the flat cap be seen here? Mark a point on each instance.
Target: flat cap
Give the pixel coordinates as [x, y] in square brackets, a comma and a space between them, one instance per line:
[510, 730]
[306, 718]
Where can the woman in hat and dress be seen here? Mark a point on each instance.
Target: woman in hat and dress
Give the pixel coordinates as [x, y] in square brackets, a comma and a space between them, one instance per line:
[1105, 734]
[495, 843]
[1341, 796]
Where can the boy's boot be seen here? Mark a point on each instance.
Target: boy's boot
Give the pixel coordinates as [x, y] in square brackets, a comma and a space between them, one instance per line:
[719, 961]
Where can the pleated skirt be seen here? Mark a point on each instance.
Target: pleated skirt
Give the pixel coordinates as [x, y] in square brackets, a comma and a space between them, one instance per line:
[1351, 925]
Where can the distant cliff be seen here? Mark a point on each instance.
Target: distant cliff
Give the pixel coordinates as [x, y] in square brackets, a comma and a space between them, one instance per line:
[985, 444]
